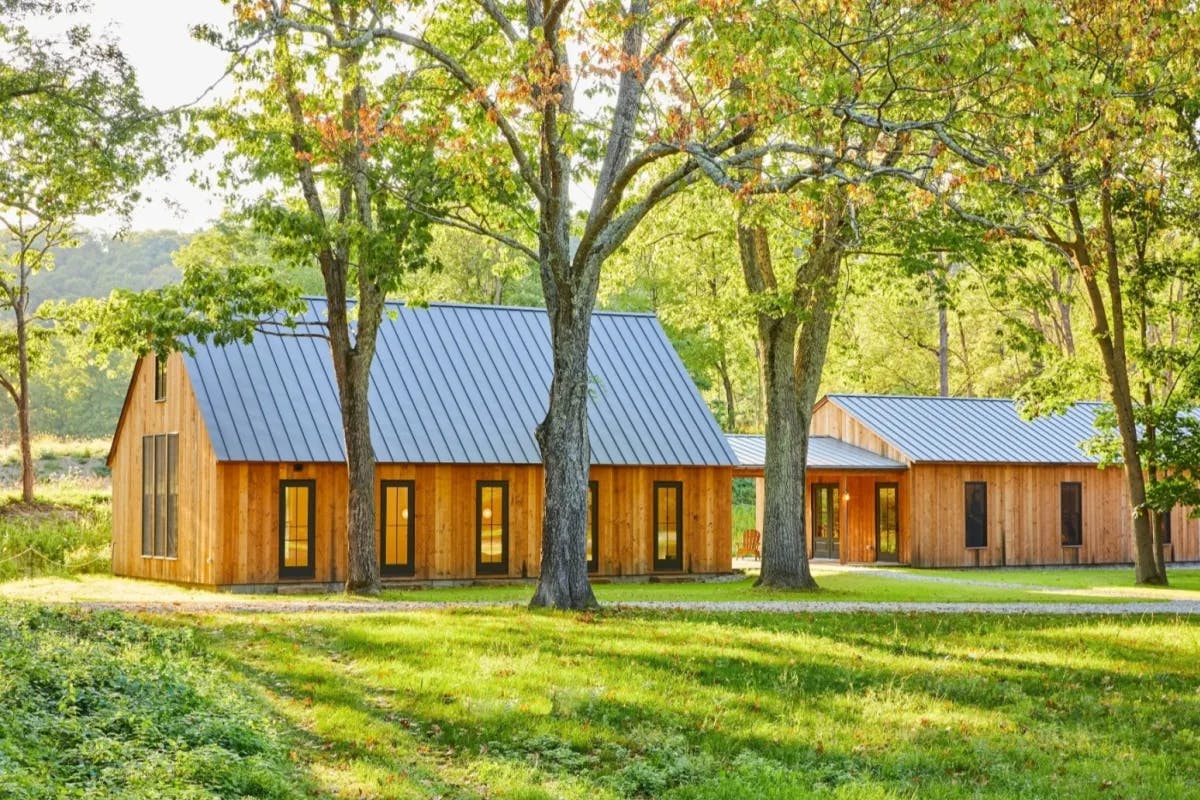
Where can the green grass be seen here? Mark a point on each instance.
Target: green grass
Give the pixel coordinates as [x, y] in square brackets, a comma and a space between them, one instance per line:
[101, 706]
[1065, 578]
[67, 531]
[506, 703]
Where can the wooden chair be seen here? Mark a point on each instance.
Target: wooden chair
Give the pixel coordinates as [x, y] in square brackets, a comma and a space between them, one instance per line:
[751, 544]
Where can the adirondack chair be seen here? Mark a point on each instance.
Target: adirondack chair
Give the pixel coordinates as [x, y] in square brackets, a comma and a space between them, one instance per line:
[751, 544]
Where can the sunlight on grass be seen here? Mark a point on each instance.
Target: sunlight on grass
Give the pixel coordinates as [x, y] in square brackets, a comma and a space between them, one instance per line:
[510, 703]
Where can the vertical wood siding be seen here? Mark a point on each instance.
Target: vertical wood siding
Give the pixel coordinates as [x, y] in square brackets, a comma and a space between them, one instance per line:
[444, 508]
[198, 547]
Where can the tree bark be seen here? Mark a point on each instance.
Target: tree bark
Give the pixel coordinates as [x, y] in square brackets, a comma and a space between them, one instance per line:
[784, 544]
[566, 455]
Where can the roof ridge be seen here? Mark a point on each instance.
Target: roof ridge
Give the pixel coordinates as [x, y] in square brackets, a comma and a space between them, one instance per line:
[882, 396]
[489, 307]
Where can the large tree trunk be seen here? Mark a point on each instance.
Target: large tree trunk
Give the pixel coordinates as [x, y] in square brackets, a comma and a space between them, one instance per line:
[362, 576]
[566, 455]
[784, 546]
[1111, 341]
[352, 372]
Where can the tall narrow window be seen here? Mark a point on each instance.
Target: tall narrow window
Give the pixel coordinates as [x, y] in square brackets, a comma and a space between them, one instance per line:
[160, 378]
[172, 500]
[668, 525]
[160, 495]
[297, 528]
[887, 522]
[491, 526]
[397, 529]
[1164, 526]
[976, 513]
[593, 534]
[1071, 494]
[147, 495]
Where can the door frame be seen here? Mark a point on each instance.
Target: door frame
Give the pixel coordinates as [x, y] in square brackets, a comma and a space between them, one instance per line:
[894, 485]
[833, 544]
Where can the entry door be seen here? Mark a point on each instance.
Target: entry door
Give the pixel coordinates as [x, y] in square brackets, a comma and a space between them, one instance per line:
[887, 522]
[826, 521]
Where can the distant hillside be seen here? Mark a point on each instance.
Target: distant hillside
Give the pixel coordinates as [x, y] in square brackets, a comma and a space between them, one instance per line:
[97, 266]
[70, 398]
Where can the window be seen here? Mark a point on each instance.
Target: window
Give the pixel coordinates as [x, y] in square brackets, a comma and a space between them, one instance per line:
[887, 522]
[1164, 526]
[975, 504]
[160, 495]
[668, 525]
[396, 527]
[160, 379]
[593, 534]
[297, 528]
[491, 526]
[1071, 494]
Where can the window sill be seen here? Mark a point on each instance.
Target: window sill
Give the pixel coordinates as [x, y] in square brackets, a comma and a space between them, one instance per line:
[1072, 546]
[161, 558]
[981, 547]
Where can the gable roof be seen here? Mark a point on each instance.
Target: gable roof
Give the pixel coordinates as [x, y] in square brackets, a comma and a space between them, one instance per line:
[974, 430]
[456, 384]
[824, 452]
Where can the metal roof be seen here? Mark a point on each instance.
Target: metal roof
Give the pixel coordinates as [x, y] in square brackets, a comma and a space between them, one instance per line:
[456, 384]
[824, 452]
[974, 430]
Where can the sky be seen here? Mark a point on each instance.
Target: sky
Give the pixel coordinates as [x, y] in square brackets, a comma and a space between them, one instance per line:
[173, 69]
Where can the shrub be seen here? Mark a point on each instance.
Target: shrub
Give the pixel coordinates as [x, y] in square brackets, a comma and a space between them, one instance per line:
[100, 705]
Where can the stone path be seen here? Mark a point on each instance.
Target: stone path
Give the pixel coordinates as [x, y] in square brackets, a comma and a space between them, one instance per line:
[1174, 607]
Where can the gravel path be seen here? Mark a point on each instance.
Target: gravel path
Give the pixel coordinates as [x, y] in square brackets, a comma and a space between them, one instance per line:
[1175, 607]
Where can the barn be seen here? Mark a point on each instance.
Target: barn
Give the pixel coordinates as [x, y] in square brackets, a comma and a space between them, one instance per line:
[228, 462]
[962, 482]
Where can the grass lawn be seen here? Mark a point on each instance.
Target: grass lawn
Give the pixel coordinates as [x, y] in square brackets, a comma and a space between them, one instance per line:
[505, 703]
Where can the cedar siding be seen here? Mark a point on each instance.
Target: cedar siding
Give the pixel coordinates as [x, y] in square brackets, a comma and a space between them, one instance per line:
[197, 559]
[1024, 502]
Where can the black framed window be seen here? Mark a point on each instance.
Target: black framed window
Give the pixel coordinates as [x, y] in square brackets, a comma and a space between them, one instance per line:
[397, 527]
[593, 534]
[160, 495]
[297, 528]
[1164, 526]
[160, 379]
[1071, 495]
[975, 506]
[887, 521]
[491, 527]
[668, 525]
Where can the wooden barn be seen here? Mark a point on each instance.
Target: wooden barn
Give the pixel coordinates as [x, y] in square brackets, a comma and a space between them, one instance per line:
[228, 463]
[952, 482]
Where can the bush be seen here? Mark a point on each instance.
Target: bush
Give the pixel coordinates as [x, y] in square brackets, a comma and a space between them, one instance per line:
[100, 705]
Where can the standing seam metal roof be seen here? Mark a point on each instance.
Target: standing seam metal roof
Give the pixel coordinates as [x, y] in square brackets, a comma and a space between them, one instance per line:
[824, 452]
[974, 430]
[456, 384]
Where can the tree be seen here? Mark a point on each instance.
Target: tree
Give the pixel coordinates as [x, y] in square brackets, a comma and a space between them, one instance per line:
[75, 139]
[330, 125]
[1085, 112]
[511, 79]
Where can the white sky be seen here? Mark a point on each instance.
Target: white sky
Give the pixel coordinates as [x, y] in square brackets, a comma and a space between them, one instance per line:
[172, 69]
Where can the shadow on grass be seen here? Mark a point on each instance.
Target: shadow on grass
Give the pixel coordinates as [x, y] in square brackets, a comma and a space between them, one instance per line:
[639, 703]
